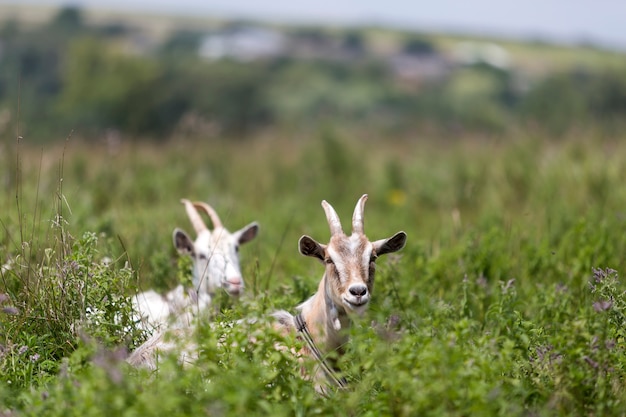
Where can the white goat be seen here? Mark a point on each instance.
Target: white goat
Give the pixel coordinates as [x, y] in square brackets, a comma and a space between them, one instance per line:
[215, 256]
[345, 288]
[163, 341]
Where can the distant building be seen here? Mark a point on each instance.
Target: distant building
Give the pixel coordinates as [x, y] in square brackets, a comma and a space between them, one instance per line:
[472, 53]
[419, 68]
[139, 44]
[247, 43]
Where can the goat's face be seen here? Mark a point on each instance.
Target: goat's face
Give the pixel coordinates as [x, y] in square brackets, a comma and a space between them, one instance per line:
[350, 260]
[215, 256]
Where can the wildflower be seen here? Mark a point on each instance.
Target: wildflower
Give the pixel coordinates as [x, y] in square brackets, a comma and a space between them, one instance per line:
[561, 288]
[109, 361]
[510, 284]
[591, 362]
[7, 266]
[396, 197]
[600, 274]
[22, 350]
[10, 310]
[603, 305]
[35, 357]
[482, 282]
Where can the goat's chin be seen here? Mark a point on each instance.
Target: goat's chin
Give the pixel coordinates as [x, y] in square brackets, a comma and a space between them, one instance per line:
[356, 308]
[234, 291]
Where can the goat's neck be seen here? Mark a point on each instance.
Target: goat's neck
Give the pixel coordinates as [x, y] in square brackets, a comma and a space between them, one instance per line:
[325, 320]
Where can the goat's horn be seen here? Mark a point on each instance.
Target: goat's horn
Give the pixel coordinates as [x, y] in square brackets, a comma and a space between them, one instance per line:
[194, 216]
[217, 223]
[357, 217]
[333, 219]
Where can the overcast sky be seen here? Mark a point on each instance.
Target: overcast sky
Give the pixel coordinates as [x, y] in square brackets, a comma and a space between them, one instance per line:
[599, 21]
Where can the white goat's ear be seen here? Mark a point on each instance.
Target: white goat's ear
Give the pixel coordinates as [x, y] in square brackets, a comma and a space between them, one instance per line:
[392, 244]
[309, 247]
[183, 243]
[247, 233]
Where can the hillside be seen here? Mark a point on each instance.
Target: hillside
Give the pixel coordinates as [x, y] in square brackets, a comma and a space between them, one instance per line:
[205, 76]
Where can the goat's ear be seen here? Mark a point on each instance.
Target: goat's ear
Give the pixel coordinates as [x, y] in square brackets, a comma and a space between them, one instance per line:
[392, 244]
[247, 233]
[183, 243]
[309, 247]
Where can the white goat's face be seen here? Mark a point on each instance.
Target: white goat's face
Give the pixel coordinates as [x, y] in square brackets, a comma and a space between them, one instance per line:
[215, 256]
[350, 260]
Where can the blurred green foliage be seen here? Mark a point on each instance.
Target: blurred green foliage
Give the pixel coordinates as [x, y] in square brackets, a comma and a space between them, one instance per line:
[68, 75]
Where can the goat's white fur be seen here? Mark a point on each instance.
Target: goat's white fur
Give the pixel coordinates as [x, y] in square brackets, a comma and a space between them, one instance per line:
[215, 266]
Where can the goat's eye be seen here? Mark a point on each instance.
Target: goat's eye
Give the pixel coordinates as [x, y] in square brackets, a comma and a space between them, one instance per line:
[202, 256]
[237, 249]
[328, 261]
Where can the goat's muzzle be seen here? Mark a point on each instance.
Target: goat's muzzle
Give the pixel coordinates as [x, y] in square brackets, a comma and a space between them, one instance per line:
[233, 286]
[357, 297]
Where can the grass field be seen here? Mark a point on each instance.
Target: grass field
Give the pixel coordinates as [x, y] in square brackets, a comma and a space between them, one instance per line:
[508, 297]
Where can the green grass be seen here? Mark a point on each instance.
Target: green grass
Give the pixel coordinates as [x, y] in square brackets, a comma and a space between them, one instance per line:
[507, 300]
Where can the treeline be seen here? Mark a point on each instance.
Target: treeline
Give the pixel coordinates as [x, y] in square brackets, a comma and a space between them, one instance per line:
[69, 76]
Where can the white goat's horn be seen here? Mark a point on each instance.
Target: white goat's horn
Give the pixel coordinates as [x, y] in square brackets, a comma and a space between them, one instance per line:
[357, 217]
[217, 223]
[333, 219]
[194, 216]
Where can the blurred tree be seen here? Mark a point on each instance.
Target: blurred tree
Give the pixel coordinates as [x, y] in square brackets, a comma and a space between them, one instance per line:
[557, 103]
[30, 73]
[354, 42]
[114, 29]
[98, 82]
[9, 30]
[104, 89]
[313, 35]
[232, 95]
[182, 42]
[68, 21]
[32, 62]
[418, 45]
[607, 98]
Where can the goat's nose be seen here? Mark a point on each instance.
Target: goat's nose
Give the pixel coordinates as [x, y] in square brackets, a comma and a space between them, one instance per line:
[237, 281]
[358, 290]
[234, 286]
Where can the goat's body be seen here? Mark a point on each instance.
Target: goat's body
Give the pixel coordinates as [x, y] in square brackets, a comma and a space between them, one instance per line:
[325, 319]
[163, 342]
[326, 324]
[152, 310]
[176, 309]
